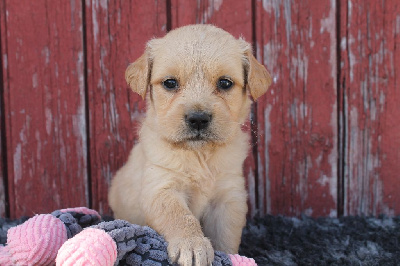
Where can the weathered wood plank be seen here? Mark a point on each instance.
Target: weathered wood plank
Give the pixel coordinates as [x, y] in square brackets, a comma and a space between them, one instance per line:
[236, 18]
[3, 154]
[117, 32]
[370, 110]
[232, 16]
[44, 104]
[298, 119]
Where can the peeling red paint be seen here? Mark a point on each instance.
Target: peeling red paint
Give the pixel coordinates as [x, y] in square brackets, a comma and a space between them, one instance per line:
[370, 36]
[43, 96]
[297, 119]
[232, 16]
[116, 36]
[317, 147]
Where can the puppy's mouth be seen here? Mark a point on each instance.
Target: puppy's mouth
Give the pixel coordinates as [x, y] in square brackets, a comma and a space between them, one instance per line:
[196, 131]
[198, 137]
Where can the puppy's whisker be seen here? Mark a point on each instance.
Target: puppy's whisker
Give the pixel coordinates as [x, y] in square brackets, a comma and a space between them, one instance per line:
[245, 126]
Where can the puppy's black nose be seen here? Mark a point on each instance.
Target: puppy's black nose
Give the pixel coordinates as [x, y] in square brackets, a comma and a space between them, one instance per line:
[198, 120]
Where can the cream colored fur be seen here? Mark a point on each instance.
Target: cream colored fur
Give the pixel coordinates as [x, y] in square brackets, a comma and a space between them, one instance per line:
[191, 191]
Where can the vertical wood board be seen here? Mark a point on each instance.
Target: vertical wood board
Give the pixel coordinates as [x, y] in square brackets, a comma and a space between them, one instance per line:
[117, 32]
[370, 110]
[297, 121]
[3, 82]
[44, 105]
[232, 16]
[310, 137]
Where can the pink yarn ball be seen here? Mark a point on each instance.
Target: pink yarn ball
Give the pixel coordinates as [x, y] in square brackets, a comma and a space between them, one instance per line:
[5, 257]
[238, 260]
[36, 241]
[89, 247]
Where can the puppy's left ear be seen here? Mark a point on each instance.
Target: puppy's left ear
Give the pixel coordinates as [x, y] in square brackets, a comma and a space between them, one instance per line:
[257, 77]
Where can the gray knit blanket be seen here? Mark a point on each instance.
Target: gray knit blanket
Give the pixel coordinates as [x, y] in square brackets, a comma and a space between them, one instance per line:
[277, 240]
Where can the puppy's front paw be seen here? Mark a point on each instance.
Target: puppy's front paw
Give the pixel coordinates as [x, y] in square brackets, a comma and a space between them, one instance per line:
[191, 251]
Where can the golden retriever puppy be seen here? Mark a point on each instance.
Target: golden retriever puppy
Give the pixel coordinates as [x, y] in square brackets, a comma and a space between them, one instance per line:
[184, 178]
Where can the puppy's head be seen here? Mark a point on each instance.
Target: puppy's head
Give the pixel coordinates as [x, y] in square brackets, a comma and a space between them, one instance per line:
[200, 79]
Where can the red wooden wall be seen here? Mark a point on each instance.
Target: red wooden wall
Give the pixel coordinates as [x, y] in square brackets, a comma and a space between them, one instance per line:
[326, 137]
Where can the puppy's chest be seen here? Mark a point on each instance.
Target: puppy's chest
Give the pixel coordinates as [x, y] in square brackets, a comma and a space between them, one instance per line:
[202, 176]
[199, 199]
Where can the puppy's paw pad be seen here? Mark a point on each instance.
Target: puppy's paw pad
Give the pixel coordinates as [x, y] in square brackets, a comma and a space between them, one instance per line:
[191, 251]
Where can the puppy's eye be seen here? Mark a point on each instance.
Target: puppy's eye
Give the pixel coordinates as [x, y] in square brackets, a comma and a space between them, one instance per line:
[170, 84]
[224, 84]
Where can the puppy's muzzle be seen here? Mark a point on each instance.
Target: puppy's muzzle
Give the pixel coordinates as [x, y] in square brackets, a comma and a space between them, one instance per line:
[198, 120]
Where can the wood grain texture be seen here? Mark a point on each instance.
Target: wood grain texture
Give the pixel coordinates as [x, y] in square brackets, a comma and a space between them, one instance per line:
[3, 178]
[44, 105]
[370, 109]
[232, 16]
[117, 32]
[235, 17]
[297, 121]
[326, 136]
[3, 152]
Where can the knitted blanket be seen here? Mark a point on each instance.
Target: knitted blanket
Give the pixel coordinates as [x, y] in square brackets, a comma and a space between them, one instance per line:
[277, 240]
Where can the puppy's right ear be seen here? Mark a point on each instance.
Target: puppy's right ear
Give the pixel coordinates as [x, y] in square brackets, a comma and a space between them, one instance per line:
[137, 75]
